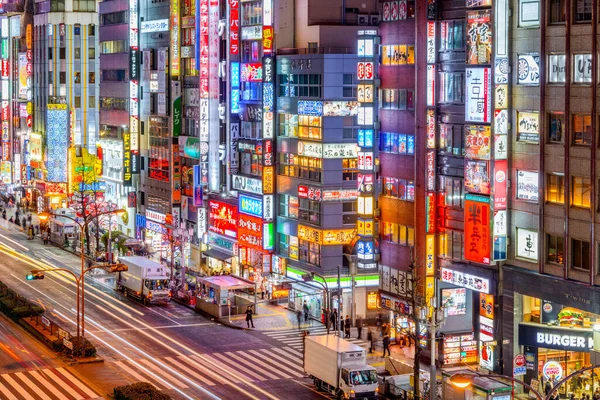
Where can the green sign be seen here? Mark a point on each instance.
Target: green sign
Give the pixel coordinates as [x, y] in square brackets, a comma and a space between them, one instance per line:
[177, 117]
[268, 236]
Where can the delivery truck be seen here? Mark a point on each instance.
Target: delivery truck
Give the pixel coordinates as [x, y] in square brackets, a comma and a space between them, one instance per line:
[339, 367]
[145, 280]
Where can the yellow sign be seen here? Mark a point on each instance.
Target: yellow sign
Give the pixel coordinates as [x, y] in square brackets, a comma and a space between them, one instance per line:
[325, 237]
[429, 291]
[268, 180]
[430, 255]
[365, 227]
[56, 106]
[372, 301]
[83, 169]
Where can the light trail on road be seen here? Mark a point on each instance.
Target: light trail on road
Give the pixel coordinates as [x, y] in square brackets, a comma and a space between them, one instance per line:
[66, 279]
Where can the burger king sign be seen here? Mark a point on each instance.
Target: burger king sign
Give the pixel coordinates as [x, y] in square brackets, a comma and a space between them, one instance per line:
[553, 370]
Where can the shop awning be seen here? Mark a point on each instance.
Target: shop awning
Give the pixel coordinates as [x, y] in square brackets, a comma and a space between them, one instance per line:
[308, 289]
[227, 282]
[218, 254]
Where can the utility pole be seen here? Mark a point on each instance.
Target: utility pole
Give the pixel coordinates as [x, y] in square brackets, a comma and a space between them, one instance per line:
[432, 371]
[339, 307]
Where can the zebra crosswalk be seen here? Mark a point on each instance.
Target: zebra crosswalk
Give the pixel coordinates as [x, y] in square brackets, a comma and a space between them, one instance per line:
[294, 337]
[44, 384]
[211, 369]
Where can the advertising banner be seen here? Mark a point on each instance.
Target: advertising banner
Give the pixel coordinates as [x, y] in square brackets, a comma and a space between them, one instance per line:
[57, 142]
[477, 229]
[479, 37]
[478, 99]
[477, 142]
[222, 218]
[477, 176]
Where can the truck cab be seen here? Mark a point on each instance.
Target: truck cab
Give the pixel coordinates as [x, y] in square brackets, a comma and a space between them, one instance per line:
[358, 382]
[156, 291]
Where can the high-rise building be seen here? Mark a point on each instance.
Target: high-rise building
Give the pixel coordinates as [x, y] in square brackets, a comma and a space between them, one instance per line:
[65, 98]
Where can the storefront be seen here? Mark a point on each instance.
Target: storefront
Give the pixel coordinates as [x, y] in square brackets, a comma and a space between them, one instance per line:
[313, 296]
[467, 295]
[554, 324]
[220, 258]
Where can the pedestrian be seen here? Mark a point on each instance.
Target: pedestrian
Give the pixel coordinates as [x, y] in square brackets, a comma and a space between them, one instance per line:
[24, 222]
[4, 214]
[262, 290]
[10, 219]
[45, 236]
[323, 317]
[359, 326]
[29, 218]
[347, 324]
[30, 232]
[383, 328]
[306, 311]
[299, 317]
[342, 325]
[333, 319]
[386, 345]
[249, 316]
[371, 340]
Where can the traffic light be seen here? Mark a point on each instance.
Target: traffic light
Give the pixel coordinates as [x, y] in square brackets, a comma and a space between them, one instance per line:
[117, 268]
[34, 276]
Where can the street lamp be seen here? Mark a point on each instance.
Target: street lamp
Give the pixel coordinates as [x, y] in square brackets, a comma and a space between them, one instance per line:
[83, 227]
[311, 278]
[79, 279]
[352, 265]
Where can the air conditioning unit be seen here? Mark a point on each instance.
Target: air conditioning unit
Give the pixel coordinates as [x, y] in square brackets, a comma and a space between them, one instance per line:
[363, 19]
[374, 20]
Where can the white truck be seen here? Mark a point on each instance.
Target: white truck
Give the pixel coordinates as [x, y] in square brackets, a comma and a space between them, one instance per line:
[339, 367]
[145, 280]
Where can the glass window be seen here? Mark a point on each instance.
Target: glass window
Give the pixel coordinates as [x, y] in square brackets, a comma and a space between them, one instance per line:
[451, 87]
[582, 11]
[580, 192]
[452, 33]
[398, 188]
[451, 139]
[77, 102]
[288, 125]
[397, 234]
[92, 102]
[113, 46]
[252, 13]
[556, 127]
[453, 191]
[396, 143]
[92, 77]
[91, 53]
[451, 245]
[77, 77]
[349, 169]
[582, 129]
[555, 188]
[309, 252]
[77, 53]
[554, 246]
[557, 11]
[580, 254]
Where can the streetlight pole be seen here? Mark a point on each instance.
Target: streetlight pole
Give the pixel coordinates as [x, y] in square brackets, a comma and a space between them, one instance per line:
[310, 277]
[339, 307]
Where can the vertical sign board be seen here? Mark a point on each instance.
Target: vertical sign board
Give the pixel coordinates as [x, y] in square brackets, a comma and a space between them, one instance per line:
[176, 173]
[366, 149]
[431, 142]
[134, 76]
[202, 50]
[126, 159]
[214, 163]
[234, 27]
[175, 37]
[57, 142]
[477, 228]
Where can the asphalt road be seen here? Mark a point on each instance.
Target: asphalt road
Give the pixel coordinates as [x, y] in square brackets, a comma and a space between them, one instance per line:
[182, 353]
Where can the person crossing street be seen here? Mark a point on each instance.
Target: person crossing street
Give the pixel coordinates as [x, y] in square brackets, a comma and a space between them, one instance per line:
[249, 316]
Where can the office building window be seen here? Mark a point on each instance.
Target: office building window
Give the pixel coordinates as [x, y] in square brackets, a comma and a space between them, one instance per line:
[77, 77]
[554, 249]
[396, 99]
[119, 17]
[397, 234]
[112, 103]
[77, 102]
[582, 11]
[398, 188]
[289, 206]
[62, 76]
[396, 143]
[288, 125]
[92, 102]
[309, 127]
[452, 35]
[451, 245]
[349, 169]
[309, 252]
[580, 254]
[555, 188]
[300, 85]
[300, 166]
[113, 75]
[113, 46]
[452, 139]
[251, 164]
[556, 127]
[451, 87]
[349, 209]
[91, 53]
[582, 129]
[62, 53]
[92, 77]
[454, 191]
[580, 192]
[557, 11]
[77, 53]
[252, 13]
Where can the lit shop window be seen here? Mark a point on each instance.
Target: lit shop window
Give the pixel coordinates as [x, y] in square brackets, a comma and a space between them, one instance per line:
[451, 245]
[556, 127]
[555, 189]
[452, 139]
[397, 99]
[555, 249]
[309, 127]
[398, 188]
[288, 125]
[349, 169]
[251, 130]
[397, 234]
[114, 46]
[396, 143]
[451, 87]
[251, 51]
[309, 252]
[581, 191]
[251, 91]
[289, 206]
[398, 54]
[251, 164]
[582, 129]
[300, 166]
[452, 34]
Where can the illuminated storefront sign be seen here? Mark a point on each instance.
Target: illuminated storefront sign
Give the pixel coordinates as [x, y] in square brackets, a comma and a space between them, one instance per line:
[246, 184]
[251, 72]
[477, 229]
[310, 107]
[175, 37]
[235, 87]
[234, 27]
[250, 232]
[158, 25]
[325, 237]
[472, 282]
[250, 205]
[57, 142]
[222, 218]
[341, 108]
[478, 97]
[268, 180]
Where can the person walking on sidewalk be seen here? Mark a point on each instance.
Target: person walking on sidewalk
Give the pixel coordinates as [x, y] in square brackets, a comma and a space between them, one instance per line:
[249, 316]
[359, 326]
[333, 319]
[386, 344]
[299, 317]
[306, 311]
[45, 236]
[371, 339]
[347, 327]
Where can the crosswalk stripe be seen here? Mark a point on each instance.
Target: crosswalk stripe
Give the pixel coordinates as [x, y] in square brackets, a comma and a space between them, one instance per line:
[48, 385]
[189, 371]
[197, 366]
[279, 359]
[289, 352]
[215, 361]
[17, 387]
[230, 361]
[264, 365]
[77, 383]
[135, 375]
[55, 378]
[32, 386]
[4, 390]
[165, 375]
[277, 364]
